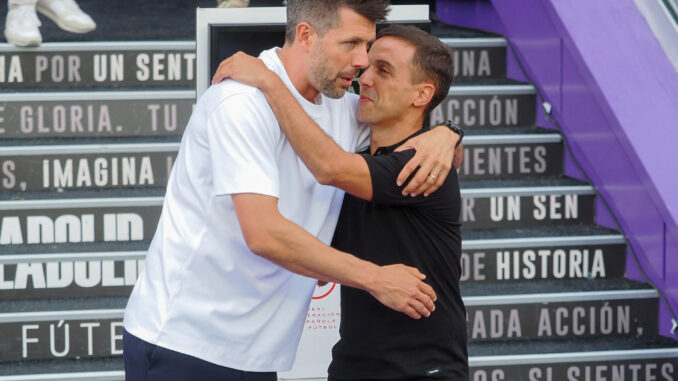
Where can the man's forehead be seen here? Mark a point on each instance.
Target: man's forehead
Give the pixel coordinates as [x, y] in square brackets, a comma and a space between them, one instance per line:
[353, 24]
[392, 50]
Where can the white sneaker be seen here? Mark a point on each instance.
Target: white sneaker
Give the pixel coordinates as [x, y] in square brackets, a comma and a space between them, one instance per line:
[21, 26]
[67, 15]
[233, 3]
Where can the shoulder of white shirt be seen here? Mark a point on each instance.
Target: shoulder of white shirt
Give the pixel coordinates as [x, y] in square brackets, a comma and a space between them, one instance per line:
[216, 94]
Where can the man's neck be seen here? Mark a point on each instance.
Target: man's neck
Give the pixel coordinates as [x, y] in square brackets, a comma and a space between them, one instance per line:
[298, 73]
[389, 133]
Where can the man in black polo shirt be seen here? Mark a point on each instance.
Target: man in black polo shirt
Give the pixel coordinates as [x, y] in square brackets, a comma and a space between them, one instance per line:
[422, 232]
[410, 72]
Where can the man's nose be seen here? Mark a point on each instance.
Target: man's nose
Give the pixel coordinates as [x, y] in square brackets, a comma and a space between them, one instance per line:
[365, 79]
[360, 60]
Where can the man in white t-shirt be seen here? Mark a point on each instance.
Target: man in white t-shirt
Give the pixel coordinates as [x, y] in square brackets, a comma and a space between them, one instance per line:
[244, 229]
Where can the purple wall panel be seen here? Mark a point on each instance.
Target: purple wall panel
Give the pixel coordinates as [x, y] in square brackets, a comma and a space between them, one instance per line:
[545, 47]
[637, 81]
[671, 268]
[616, 96]
[470, 13]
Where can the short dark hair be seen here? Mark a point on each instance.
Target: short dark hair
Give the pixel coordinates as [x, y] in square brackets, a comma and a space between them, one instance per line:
[432, 60]
[323, 15]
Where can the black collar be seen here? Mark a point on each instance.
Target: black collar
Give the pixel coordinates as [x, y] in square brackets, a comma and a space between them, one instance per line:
[391, 148]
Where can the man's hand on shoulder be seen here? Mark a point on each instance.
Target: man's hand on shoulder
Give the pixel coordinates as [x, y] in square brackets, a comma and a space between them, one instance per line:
[435, 153]
[245, 69]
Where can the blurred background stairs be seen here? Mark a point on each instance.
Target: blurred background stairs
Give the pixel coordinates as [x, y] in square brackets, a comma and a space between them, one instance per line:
[90, 126]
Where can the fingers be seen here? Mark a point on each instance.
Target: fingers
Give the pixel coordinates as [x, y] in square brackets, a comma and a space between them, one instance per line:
[222, 72]
[419, 160]
[424, 297]
[427, 188]
[415, 272]
[440, 172]
[431, 176]
[434, 180]
[422, 306]
[421, 309]
[408, 169]
[427, 303]
[428, 291]
[224, 69]
[402, 289]
[411, 312]
[428, 185]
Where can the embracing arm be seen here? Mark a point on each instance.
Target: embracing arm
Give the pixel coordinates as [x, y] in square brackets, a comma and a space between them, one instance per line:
[286, 244]
[328, 162]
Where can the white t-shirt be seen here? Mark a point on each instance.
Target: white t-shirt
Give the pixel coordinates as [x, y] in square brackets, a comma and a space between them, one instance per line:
[202, 291]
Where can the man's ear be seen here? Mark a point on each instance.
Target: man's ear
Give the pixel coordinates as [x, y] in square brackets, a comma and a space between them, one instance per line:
[424, 95]
[306, 36]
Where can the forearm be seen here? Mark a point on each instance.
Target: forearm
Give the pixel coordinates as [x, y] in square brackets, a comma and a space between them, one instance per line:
[291, 247]
[272, 236]
[317, 150]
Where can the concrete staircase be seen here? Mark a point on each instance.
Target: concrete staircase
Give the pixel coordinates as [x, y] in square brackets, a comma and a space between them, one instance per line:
[89, 134]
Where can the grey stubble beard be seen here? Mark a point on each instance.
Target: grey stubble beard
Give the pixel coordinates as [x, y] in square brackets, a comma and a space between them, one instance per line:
[322, 75]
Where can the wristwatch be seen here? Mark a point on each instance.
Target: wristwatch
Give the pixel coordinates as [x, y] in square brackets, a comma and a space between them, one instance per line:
[455, 128]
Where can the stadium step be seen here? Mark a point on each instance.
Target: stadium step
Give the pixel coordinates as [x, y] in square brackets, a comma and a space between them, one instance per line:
[81, 328]
[483, 106]
[92, 271]
[69, 275]
[43, 167]
[522, 257]
[86, 166]
[654, 358]
[100, 65]
[88, 133]
[512, 156]
[526, 312]
[477, 58]
[81, 219]
[118, 113]
[526, 203]
[94, 114]
[93, 217]
[104, 369]
[61, 329]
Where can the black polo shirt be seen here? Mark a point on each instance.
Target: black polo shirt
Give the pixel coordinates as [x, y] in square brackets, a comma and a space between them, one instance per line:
[378, 343]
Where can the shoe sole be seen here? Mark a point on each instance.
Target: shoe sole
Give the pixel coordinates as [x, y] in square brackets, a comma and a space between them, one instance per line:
[52, 16]
[19, 41]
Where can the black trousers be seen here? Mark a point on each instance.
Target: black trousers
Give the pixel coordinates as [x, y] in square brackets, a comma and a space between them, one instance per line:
[148, 362]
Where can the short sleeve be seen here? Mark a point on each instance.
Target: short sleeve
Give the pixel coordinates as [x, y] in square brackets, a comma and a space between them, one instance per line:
[384, 171]
[243, 137]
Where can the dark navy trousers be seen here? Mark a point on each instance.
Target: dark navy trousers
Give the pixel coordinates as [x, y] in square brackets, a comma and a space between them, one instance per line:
[148, 362]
